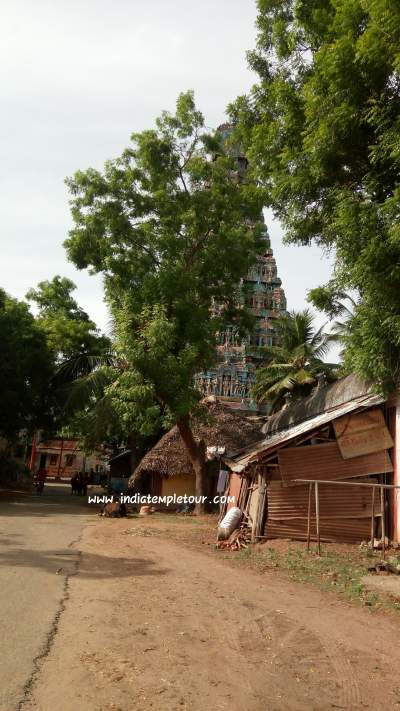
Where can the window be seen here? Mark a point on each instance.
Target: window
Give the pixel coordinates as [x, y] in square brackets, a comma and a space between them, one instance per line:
[69, 460]
[53, 460]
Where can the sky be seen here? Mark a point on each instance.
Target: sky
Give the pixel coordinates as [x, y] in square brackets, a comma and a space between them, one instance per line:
[77, 78]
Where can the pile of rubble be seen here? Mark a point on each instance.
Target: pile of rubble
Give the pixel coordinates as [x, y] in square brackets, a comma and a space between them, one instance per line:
[240, 538]
[385, 567]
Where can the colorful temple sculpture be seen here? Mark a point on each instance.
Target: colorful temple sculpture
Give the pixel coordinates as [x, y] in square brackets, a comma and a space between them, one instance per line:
[233, 376]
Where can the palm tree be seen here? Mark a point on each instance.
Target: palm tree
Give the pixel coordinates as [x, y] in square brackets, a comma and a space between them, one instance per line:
[344, 315]
[293, 366]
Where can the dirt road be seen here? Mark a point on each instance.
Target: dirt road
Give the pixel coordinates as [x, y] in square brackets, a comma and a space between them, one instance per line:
[150, 624]
[36, 534]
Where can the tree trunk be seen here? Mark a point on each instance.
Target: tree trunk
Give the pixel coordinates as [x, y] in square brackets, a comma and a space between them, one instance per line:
[197, 456]
[133, 459]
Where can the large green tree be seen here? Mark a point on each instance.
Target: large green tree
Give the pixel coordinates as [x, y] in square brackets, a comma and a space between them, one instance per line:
[172, 227]
[77, 349]
[296, 363]
[69, 331]
[321, 129]
[25, 369]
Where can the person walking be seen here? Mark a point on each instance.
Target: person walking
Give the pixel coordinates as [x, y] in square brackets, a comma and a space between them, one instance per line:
[41, 476]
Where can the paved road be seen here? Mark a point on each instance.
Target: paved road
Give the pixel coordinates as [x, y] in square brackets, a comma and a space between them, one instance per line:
[36, 534]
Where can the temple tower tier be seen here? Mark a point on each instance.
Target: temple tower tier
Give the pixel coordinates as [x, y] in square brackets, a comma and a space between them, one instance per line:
[233, 376]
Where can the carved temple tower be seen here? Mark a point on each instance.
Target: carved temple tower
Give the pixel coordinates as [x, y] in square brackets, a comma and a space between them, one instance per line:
[233, 376]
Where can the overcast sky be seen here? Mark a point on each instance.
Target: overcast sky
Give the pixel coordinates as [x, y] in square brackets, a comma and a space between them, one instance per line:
[77, 78]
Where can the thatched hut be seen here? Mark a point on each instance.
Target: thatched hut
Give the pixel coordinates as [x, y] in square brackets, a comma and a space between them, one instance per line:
[166, 469]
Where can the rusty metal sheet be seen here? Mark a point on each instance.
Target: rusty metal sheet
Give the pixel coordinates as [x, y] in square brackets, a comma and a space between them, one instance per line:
[333, 531]
[345, 512]
[335, 502]
[362, 433]
[256, 452]
[324, 461]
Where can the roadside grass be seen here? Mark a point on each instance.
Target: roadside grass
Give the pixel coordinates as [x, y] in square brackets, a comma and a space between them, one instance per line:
[180, 527]
[177, 518]
[333, 571]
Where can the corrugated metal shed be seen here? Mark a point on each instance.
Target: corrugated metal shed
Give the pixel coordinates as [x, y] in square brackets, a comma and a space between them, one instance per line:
[256, 452]
[324, 461]
[362, 433]
[345, 513]
[335, 501]
[345, 530]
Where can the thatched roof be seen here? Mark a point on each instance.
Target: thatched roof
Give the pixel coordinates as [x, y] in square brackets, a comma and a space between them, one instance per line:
[225, 428]
[322, 399]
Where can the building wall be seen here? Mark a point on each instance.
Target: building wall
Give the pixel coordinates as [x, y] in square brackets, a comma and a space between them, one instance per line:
[64, 460]
[179, 485]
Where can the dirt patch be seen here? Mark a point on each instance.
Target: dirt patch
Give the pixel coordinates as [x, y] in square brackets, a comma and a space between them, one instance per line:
[388, 585]
[153, 625]
[339, 570]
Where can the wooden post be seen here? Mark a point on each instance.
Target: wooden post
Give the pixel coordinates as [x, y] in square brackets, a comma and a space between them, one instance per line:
[60, 457]
[383, 522]
[373, 519]
[309, 516]
[317, 517]
[254, 523]
[33, 452]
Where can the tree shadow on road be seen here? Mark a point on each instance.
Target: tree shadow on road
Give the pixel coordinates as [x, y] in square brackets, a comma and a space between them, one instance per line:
[44, 506]
[88, 565]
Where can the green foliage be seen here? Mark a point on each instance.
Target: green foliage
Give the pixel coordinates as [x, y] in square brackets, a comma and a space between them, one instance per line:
[95, 423]
[79, 354]
[293, 366]
[68, 328]
[321, 129]
[172, 228]
[25, 369]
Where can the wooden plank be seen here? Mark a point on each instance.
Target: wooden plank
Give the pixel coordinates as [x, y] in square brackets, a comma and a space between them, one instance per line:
[235, 486]
[362, 433]
[253, 508]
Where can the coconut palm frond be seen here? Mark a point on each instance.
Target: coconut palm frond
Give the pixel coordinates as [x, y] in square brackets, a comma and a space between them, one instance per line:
[294, 365]
[274, 389]
[304, 377]
[76, 395]
[81, 366]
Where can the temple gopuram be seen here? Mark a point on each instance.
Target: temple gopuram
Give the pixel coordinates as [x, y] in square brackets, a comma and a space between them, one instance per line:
[233, 376]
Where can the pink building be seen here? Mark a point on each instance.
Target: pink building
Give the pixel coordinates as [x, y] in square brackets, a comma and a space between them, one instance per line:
[62, 458]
